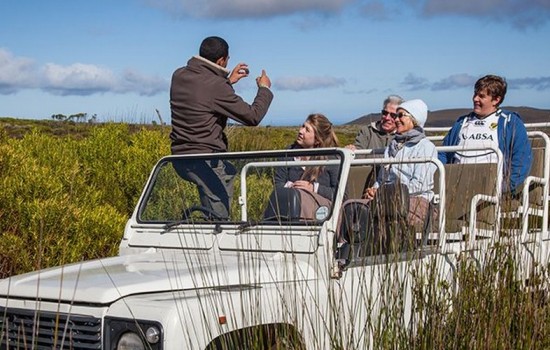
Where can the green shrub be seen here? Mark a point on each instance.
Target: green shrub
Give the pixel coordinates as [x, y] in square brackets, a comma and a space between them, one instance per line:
[65, 199]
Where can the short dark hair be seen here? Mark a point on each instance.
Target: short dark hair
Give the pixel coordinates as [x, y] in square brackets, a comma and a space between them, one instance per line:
[214, 48]
[496, 86]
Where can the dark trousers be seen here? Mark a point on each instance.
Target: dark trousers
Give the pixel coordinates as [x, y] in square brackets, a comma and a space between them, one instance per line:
[214, 180]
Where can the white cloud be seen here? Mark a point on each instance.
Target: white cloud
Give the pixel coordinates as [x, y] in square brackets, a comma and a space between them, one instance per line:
[377, 10]
[455, 81]
[538, 83]
[133, 81]
[413, 82]
[519, 13]
[77, 79]
[452, 82]
[463, 80]
[17, 73]
[247, 8]
[307, 83]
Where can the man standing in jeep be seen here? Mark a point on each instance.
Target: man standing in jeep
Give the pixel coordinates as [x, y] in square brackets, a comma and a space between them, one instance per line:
[202, 98]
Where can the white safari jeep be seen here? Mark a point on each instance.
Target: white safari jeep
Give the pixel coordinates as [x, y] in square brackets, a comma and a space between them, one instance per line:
[264, 278]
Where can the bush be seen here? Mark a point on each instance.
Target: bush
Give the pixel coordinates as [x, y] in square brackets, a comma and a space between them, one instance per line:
[65, 200]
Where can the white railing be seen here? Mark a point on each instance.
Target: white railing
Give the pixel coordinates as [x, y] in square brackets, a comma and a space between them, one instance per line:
[528, 126]
[276, 164]
[442, 184]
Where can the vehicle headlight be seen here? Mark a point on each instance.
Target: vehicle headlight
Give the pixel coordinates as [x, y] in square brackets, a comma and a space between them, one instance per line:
[130, 341]
[128, 334]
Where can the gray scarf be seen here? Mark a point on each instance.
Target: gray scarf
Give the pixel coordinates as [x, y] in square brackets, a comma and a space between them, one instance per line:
[412, 136]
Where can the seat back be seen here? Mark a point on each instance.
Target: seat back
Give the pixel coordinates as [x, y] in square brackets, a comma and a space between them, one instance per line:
[357, 180]
[536, 190]
[537, 170]
[462, 183]
[284, 204]
[436, 140]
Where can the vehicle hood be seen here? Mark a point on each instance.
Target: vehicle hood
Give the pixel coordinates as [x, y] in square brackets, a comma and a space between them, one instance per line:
[104, 281]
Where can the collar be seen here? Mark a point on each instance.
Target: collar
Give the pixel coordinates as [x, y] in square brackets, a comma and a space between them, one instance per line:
[497, 113]
[212, 64]
[376, 126]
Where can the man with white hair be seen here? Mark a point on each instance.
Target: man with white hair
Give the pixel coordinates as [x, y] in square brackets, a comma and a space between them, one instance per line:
[378, 134]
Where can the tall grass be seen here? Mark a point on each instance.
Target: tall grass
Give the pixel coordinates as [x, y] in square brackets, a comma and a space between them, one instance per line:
[68, 188]
[65, 199]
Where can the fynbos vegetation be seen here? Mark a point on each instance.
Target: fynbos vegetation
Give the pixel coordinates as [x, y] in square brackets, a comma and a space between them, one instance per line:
[67, 198]
[68, 189]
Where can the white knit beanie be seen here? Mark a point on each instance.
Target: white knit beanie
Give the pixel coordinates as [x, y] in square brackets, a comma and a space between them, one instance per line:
[417, 108]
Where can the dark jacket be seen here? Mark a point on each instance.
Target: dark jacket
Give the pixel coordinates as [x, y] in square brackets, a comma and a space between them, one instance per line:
[201, 101]
[328, 178]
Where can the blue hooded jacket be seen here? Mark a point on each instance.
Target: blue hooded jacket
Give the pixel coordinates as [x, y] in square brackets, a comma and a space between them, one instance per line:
[513, 143]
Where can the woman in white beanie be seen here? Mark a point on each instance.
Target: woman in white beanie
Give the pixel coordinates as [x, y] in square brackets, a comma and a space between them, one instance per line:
[410, 142]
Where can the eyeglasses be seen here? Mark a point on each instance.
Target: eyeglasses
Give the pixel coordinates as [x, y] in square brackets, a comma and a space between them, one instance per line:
[400, 115]
[386, 113]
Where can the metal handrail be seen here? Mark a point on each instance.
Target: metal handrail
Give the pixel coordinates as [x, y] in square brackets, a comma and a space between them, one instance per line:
[528, 126]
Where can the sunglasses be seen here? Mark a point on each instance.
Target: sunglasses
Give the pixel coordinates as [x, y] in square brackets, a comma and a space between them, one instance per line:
[400, 115]
[386, 113]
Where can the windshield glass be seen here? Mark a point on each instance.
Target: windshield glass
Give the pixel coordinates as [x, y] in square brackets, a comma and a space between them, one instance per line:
[284, 187]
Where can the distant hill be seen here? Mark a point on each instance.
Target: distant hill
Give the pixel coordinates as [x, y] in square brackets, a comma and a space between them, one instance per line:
[446, 117]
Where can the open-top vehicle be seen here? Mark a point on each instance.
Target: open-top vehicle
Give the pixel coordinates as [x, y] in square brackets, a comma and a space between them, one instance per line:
[187, 278]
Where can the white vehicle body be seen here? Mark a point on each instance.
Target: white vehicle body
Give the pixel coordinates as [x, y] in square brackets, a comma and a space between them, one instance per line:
[191, 283]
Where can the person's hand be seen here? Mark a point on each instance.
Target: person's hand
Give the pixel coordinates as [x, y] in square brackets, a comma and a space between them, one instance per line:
[351, 147]
[369, 193]
[304, 185]
[240, 71]
[263, 80]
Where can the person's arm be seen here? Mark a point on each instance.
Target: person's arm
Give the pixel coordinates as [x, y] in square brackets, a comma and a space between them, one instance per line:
[281, 176]
[422, 175]
[228, 103]
[521, 156]
[370, 193]
[447, 157]
[362, 138]
[451, 139]
[240, 71]
[329, 184]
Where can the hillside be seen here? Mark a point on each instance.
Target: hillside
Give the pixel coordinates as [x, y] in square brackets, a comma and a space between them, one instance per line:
[446, 117]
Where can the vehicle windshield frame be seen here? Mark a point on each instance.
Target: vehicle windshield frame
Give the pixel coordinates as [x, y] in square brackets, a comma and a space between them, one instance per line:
[261, 159]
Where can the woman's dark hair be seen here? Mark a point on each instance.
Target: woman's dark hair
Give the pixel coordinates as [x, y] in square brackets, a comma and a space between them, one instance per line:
[214, 48]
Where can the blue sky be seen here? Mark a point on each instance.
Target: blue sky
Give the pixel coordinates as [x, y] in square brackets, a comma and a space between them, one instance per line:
[338, 57]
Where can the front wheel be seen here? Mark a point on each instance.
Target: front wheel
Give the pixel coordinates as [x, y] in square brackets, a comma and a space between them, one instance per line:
[286, 344]
[285, 338]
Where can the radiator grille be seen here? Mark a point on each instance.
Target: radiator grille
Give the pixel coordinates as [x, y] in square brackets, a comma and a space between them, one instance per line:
[29, 329]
